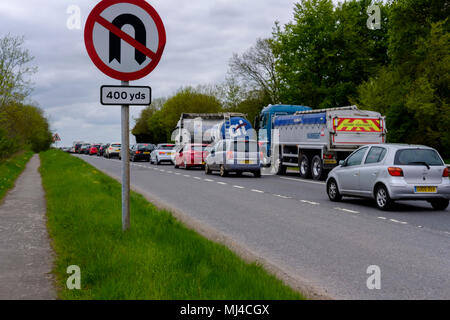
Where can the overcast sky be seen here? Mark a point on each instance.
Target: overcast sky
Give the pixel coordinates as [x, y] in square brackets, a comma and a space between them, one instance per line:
[201, 37]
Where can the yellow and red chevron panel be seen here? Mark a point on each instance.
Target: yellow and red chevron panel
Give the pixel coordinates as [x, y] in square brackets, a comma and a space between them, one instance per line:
[358, 125]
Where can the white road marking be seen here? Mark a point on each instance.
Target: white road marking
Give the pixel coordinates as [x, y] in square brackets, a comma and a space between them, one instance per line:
[396, 221]
[197, 178]
[209, 180]
[220, 182]
[281, 196]
[310, 202]
[383, 218]
[186, 175]
[239, 187]
[255, 190]
[302, 180]
[177, 173]
[347, 210]
[169, 171]
[162, 170]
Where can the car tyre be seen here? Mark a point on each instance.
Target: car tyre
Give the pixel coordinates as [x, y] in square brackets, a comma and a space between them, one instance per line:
[223, 172]
[439, 204]
[303, 167]
[382, 198]
[257, 173]
[186, 167]
[333, 191]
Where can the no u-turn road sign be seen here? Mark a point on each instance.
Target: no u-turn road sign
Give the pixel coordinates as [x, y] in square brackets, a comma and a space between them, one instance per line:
[124, 38]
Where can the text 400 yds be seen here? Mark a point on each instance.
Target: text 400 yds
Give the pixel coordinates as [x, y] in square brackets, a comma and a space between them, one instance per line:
[124, 95]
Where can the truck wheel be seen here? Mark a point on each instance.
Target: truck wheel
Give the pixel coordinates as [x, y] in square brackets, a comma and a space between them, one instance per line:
[303, 167]
[279, 168]
[317, 171]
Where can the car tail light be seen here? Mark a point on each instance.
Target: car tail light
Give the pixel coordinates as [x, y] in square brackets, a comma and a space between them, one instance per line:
[230, 155]
[395, 172]
[162, 152]
[445, 173]
[138, 152]
[327, 156]
[261, 155]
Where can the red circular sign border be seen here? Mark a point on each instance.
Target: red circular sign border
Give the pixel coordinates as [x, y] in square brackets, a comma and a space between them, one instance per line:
[124, 76]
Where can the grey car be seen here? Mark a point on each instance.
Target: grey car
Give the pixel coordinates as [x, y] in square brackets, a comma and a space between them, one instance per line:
[237, 156]
[389, 172]
[164, 152]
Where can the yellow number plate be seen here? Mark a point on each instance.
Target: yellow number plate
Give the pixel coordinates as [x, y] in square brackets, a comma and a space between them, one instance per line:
[329, 161]
[246, 162]
[425, 189]
[146, 152]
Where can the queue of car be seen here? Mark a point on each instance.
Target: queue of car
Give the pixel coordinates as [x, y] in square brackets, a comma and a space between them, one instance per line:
[382, 172]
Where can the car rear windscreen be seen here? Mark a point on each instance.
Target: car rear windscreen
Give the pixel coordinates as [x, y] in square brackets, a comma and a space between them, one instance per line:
[417, 157]
[167, 147]
[115, 145]
[245, 146]
[144, 147]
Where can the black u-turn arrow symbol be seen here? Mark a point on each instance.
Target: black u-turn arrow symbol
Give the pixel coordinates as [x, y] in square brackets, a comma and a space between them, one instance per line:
[140, 35]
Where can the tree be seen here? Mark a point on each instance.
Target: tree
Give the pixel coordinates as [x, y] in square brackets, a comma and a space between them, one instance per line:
[412, 91]
[14, 70]
[326, 52]
[256, 69]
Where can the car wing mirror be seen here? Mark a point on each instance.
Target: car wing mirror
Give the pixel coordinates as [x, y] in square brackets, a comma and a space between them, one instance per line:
[342, 163]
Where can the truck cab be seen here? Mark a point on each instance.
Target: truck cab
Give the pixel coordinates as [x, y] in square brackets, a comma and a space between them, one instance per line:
[263, 124]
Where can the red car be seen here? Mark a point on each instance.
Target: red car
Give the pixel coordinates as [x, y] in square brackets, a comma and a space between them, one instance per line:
[191, 155]
[94, 149]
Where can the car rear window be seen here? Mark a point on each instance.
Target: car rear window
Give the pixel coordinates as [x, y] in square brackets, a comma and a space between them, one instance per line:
[245, 146]
[198, 148]
[115, 145]
[144, 147]
[167, 147]
[417, 157]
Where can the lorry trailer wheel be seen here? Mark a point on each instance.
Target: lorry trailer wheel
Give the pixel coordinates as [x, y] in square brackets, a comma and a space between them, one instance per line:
[303, 167]
[317, 168]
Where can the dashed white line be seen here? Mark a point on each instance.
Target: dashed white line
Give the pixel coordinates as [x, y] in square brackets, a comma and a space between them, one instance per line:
[383, 218]
[281, 196]
[177, 173]
[186, 175]
[347, 210]
[209, 180]
[220, 182]
[239, 187]
[169, 172]
[197, 178]
[302, 180]
[310, 202]
[255, 190]
[396, 221]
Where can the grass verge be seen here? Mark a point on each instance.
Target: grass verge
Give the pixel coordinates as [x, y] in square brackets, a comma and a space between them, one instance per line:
[11, 168]
[158, 258]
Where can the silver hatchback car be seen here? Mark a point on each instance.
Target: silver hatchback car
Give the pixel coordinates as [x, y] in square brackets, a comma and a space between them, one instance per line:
[389, 172]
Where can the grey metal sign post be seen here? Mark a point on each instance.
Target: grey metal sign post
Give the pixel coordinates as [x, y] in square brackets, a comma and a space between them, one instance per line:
[125, 155]
[104, 26]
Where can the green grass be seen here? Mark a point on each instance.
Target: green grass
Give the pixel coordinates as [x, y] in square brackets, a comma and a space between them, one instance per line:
[10, 169]
[158, 258]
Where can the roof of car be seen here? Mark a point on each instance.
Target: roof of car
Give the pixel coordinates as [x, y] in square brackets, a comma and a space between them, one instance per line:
[404, 145]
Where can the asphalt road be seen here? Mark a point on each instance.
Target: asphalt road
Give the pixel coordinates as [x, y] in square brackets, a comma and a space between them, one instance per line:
[291, 223]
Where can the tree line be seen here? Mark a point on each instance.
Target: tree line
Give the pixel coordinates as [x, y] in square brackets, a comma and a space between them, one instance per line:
[327, 56]
[22, 125]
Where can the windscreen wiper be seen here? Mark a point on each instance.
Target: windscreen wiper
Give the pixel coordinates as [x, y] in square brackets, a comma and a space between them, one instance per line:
[421, 162]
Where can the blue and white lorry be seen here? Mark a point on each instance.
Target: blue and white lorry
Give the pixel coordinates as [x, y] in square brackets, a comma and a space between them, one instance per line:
[315, 141]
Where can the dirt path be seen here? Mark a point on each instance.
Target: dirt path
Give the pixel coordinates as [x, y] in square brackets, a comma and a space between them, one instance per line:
[25, 251]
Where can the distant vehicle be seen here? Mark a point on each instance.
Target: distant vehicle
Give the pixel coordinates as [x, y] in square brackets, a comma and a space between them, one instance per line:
[210, 127]
[316, 140]
[113, 150]
[84, 148]
[234, 155]
[389, 172]
[77, 147]
[191, 155]
[141, 151]
[102, 148]
[94, 149]
[164, 152]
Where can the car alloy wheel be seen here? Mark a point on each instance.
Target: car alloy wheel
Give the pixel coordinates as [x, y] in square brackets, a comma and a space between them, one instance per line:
[382, 198]
[333, 191]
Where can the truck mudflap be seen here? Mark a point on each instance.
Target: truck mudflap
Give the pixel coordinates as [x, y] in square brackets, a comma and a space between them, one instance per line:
[358, 131]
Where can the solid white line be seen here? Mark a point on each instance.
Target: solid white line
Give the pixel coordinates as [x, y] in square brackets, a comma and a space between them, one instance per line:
[239, 187]
[255, 190]
[347, 210]
[310, 202]
[302, 180]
